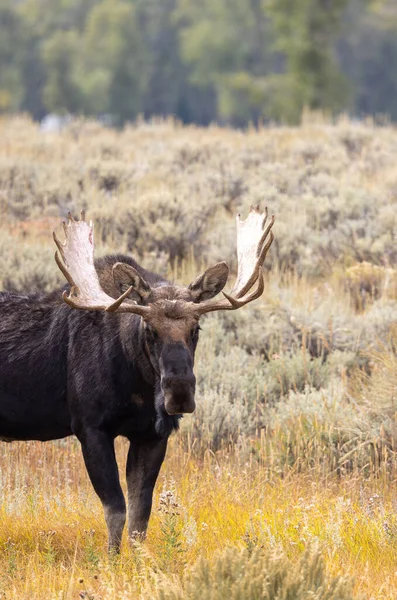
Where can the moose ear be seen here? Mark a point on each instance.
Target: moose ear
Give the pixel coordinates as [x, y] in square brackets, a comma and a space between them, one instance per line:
[210, 283]
[125, 276]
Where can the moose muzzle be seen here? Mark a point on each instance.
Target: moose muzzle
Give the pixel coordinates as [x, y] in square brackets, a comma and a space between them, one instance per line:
[178, 382]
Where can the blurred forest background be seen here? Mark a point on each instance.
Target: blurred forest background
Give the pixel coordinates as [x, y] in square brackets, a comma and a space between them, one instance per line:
[229, 61]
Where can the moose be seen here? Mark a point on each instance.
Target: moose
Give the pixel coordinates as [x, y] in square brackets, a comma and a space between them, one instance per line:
[111, 354]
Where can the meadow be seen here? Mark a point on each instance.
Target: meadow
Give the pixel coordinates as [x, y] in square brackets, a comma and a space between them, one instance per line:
[283, 483]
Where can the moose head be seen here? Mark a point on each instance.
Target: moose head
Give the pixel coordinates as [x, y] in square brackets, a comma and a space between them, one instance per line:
[169, 314]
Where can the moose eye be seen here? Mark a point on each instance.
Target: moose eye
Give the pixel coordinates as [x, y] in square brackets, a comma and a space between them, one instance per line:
[194, 333]
[152, 333]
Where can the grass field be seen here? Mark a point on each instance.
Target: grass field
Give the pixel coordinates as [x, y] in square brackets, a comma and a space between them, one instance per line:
[53, 537]
[284, 482]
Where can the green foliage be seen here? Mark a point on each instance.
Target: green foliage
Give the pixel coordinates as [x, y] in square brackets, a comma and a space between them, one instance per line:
[368, 49]
[61, 92]
[231, 61]
[227, 46]
[240, 574]
[306, 33]
[113, 70]
[13, 39]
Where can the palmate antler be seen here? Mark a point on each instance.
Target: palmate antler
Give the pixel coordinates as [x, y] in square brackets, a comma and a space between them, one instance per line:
[253, 242]
[254, 239]
[77, 265]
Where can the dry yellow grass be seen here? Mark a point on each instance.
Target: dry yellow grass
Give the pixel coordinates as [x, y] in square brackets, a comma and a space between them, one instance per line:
[52, 532]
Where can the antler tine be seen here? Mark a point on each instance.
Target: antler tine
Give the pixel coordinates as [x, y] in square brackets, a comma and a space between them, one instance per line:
[68, 297]
[113, 307]
[254, 239]
[63, 268]
[117, 305]
[238, 302]
[266, 247]
[59, 245]
[230, 303]
[266, 232]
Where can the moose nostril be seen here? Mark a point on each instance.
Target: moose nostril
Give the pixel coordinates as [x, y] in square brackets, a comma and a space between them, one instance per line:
[179, 370]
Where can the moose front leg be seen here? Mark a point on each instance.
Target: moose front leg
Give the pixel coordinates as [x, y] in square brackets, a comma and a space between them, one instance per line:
[100, 460]
[143, 465]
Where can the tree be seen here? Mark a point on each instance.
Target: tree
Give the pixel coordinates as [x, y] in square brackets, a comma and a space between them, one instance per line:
[226, 43]
[62, 91]
[113, 71]
[368, 53]
[12, 42]
[306, 33]
[40, 71]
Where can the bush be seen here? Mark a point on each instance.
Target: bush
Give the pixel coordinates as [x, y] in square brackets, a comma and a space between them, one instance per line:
[27, 267]
[240, 575]
[367, 282]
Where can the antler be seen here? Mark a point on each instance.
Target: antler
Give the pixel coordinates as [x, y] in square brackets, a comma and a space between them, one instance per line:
[253, 242]
[254, 239]
[77, 265]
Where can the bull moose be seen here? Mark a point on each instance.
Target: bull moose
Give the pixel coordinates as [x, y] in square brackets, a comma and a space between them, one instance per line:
[121, 364]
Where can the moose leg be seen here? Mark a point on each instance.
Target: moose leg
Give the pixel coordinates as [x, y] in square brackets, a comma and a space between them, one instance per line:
[143, 465]
[100, 460]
